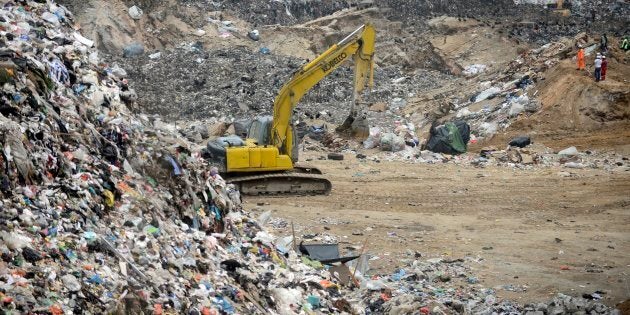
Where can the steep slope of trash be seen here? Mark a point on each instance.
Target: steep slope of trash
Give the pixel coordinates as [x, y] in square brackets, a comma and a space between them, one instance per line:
[102, 213]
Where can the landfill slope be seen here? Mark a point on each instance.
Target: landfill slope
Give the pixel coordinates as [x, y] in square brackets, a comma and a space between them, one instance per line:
[299, 30]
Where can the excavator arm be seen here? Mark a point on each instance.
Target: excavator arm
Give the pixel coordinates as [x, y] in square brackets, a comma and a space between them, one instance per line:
[359, 45]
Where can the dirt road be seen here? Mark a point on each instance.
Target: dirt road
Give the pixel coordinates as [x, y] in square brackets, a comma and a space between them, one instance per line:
[525, 226]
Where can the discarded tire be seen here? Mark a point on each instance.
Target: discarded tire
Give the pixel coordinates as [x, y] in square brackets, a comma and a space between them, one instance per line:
[335, 156]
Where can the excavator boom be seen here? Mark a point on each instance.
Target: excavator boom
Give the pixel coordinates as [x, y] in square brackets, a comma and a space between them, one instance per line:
[359, 45]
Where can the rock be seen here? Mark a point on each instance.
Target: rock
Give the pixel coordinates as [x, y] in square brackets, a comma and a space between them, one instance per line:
[135, 12]
[532, 107]
[542, 307]
[570, 151]
[570, 306]
[527, 159]
[573, 165]
[202, 130]
[556, 310]
[514, 156]
[217, 130]
[254, 35]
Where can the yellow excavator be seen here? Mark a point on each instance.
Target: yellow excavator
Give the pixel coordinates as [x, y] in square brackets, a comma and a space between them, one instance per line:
[265, 163]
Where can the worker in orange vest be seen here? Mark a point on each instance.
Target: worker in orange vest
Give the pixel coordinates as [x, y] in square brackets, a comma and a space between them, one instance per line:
[580, 58]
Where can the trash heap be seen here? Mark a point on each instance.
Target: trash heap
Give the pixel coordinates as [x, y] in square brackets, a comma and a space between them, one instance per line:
[510, 94]
[522, 152]
[105, 211]
[447, 286]
[285, 13]
[211, 86]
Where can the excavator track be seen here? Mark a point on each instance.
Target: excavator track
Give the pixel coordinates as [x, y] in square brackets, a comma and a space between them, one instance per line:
[283, 183]
[306, 169]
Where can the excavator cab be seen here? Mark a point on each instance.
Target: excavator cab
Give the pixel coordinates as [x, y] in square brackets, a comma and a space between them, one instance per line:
[260, 130]
[260, 134]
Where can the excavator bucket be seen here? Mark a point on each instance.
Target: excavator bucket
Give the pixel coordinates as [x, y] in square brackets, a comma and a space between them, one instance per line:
[360, 129]
[346, 126]
[357, 128]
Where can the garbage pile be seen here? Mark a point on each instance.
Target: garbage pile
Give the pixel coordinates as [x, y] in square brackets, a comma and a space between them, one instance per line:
[285, 13]
[407, 10]
[522, 152]
[531, 156]
[512, 93]
[447, 286]
[105, 211]
[237, 83]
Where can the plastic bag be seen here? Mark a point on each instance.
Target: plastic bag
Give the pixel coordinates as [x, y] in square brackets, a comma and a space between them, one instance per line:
[392, 142]
[486, 94]
[488, 129]
[373, 139]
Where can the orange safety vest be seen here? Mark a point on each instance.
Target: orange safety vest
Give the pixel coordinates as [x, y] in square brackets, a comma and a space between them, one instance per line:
[580, 59]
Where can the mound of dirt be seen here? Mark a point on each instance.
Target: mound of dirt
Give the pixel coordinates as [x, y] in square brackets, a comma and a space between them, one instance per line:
[577, 111]
[163, 24]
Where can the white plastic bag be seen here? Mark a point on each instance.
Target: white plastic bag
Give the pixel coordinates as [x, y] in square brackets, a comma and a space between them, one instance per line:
[373, 139]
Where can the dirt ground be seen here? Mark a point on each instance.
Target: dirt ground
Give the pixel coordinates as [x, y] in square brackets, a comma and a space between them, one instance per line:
[522, 225]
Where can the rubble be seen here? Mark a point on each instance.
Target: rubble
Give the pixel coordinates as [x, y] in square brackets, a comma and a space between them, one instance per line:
[444, 286]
